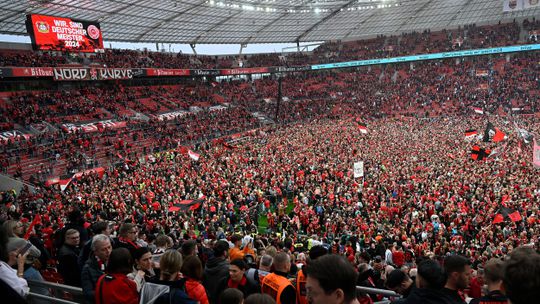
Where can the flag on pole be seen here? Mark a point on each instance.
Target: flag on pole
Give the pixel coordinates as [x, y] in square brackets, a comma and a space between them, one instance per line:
[194, 155]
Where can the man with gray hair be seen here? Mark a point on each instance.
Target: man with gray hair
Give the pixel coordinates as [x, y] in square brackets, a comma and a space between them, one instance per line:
[95, 266]
[256, 276]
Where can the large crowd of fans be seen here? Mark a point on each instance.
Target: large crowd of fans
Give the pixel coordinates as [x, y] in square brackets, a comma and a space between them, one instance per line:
[467, 37]
[214, 207]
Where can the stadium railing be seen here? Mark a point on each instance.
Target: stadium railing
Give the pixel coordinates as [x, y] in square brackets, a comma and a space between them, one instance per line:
[387, 294]
[58, 293]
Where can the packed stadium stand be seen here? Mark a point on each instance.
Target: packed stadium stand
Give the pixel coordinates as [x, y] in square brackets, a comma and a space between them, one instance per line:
[397, 162]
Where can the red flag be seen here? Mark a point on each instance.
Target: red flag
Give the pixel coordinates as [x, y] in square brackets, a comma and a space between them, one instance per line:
[515, 216]
[498, 219]
[37, 220]
[499, 135]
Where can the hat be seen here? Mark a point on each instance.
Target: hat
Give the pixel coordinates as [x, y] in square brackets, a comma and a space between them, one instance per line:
[15, 243]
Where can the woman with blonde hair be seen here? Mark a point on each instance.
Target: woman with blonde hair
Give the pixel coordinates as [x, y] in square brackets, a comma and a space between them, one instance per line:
[171, 286]
[14, 228]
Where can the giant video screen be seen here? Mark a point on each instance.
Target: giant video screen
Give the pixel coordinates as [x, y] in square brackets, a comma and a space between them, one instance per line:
[64, 34]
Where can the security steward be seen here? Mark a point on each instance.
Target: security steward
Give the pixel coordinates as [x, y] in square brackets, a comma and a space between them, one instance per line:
[314, 253]
[276, 284]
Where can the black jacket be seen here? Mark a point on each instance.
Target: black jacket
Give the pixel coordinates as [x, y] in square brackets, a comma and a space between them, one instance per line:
[215, 271]
[68, 265]
[89, 277]
[492, 297]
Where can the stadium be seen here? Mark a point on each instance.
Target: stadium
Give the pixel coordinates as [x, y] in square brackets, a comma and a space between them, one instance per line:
[387, 152]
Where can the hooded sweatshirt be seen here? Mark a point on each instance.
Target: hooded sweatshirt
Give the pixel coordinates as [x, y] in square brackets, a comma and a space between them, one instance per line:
[216, 270]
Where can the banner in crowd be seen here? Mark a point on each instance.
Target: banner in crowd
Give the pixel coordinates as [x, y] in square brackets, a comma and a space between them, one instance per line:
[536, 154]
[186, 205]
[167, 72]
[171, 115]
[240, 71]
[64, 34]
[290, 69]
[66, 180]
[91, 74]
[506, 214]
[199, 72]
[32, 72]
[358, 169]
[94, 126]
[13, 134]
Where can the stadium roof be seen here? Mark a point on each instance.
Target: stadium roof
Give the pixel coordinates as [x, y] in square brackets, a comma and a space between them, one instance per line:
[259, 21]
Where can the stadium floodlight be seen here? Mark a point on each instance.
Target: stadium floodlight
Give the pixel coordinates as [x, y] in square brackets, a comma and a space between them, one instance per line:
[317, 10]
[248, 7]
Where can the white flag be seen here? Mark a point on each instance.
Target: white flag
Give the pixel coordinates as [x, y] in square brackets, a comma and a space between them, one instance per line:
[193, 155]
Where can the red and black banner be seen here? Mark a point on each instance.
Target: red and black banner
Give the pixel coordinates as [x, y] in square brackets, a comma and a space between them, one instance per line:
[478, 153]
[507, 214]
[64, 34]
[186, 205]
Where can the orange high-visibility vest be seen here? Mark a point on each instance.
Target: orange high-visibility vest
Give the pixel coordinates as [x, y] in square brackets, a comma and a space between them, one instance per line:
[301, 296]
[273, 285]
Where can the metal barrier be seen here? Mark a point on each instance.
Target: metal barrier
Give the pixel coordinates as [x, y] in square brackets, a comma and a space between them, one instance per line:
[41, 299]
[58, 293]
[384, 292]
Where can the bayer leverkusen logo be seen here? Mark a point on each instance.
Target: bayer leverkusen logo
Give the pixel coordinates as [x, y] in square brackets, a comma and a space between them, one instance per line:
[93, 32]
[42, 27]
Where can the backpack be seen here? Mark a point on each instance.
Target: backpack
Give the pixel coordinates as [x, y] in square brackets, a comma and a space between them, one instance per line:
[152, 293]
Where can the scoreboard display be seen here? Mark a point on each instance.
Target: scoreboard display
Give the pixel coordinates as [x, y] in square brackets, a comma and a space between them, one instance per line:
[64, 34]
